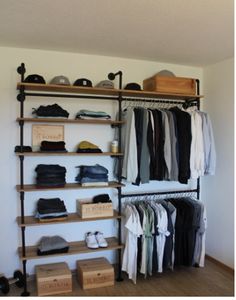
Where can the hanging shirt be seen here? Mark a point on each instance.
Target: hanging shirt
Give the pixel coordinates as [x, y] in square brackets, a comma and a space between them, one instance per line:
[167, 143]
[197, 159]
[162, 225]
[209, 146]
[130, 162]
[174, 170]
[199, 251]
[134, 230]
[145, 157]
[183, 121]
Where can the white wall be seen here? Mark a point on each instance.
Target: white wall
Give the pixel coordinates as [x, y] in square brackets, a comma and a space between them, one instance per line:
[50, 64]
[218, 190]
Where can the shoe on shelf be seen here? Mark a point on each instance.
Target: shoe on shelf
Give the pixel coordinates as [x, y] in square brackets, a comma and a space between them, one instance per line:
[100, 239]
[91, 241]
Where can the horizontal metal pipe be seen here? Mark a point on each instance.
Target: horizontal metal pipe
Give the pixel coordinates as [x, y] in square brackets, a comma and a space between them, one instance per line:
[159, 193]
[70, 96]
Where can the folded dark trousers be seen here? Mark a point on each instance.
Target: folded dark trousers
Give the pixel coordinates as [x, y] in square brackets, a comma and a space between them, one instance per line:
[53, 169]
[50, 111]
[89, 150]
[95, 176]
[55, 251]
[96, 169]
[52, 146]
[98, 116]
[50, 184]
[92, 178]
[53, 217]
[53, 205]
[102, 198]
[51, 180]
[51, 175]
[24, 149]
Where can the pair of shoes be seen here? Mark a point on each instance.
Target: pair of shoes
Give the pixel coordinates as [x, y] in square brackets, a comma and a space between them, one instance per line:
[95, 240]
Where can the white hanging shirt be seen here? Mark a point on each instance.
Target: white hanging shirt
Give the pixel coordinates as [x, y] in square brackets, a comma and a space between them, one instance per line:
[197, 159]
[134, 230]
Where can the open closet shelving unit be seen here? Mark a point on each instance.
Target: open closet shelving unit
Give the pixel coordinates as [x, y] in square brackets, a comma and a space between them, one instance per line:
[54, 91]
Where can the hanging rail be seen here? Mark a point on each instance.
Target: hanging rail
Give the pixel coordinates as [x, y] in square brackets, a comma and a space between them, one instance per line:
[159, 193]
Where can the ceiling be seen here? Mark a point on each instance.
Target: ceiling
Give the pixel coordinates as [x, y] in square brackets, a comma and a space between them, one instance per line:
[191, 32]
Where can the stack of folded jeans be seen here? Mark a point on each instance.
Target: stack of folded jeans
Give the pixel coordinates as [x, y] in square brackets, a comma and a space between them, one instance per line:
[89, 114]
[50, 175]
[50, 111]
[52, 209]
[92, 175]
[52, 245]
[48, 146]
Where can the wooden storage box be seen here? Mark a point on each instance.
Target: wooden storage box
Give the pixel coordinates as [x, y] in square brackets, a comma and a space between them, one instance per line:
[94, 210]
[174, 85]
[53, 279]
[95, 273]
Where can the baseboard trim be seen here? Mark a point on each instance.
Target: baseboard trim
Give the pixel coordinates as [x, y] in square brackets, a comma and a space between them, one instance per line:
[220, 264]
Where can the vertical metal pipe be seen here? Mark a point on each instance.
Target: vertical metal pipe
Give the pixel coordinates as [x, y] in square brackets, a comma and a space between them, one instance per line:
[25, 292]
[198, 107]
[22, 207]
[112, 76]
[119, 278]
[21, 123]
[21, 70]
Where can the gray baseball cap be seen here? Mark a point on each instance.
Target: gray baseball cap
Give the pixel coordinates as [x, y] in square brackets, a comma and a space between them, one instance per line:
[165, 73]
[106, 84]
[61, 80]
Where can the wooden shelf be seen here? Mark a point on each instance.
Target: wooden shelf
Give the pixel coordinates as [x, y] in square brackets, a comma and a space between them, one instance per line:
[72, 218]
[100, 91]
[68, 186]
[75, 248]
[70, 121]
[67, 154]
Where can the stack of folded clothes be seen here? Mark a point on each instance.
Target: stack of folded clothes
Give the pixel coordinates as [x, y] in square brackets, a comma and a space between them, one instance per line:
[52, 209]
[24, 149]
[89, 114]
[92, 175]
[50, 175]
[101, 198]
[52, 245]
[50, 111]
[87, 147]
[48, 146]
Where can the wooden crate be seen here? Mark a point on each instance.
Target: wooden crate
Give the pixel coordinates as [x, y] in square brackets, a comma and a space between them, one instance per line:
[95, 273]
[94, 210]
[53, 279]
[173, 85]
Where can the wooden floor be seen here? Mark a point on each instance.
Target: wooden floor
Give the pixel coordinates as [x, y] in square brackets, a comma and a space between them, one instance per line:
[213, 280]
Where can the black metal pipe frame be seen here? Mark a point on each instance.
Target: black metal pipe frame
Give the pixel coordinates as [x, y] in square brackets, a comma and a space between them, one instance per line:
[198, 107]
[112, 76]
[21, 97]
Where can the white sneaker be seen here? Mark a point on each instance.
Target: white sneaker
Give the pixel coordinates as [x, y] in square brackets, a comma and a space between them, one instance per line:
[91, 241]
[100, 239]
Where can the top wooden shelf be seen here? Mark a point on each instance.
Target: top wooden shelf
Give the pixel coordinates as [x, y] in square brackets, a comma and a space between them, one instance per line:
[101, 91]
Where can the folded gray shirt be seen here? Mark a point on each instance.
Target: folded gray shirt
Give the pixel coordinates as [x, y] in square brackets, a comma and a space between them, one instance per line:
[48, 243]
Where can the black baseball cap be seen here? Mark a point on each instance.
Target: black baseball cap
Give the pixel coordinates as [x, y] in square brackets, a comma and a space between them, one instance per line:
[133, 86]
[83, 82]
[35, 78]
